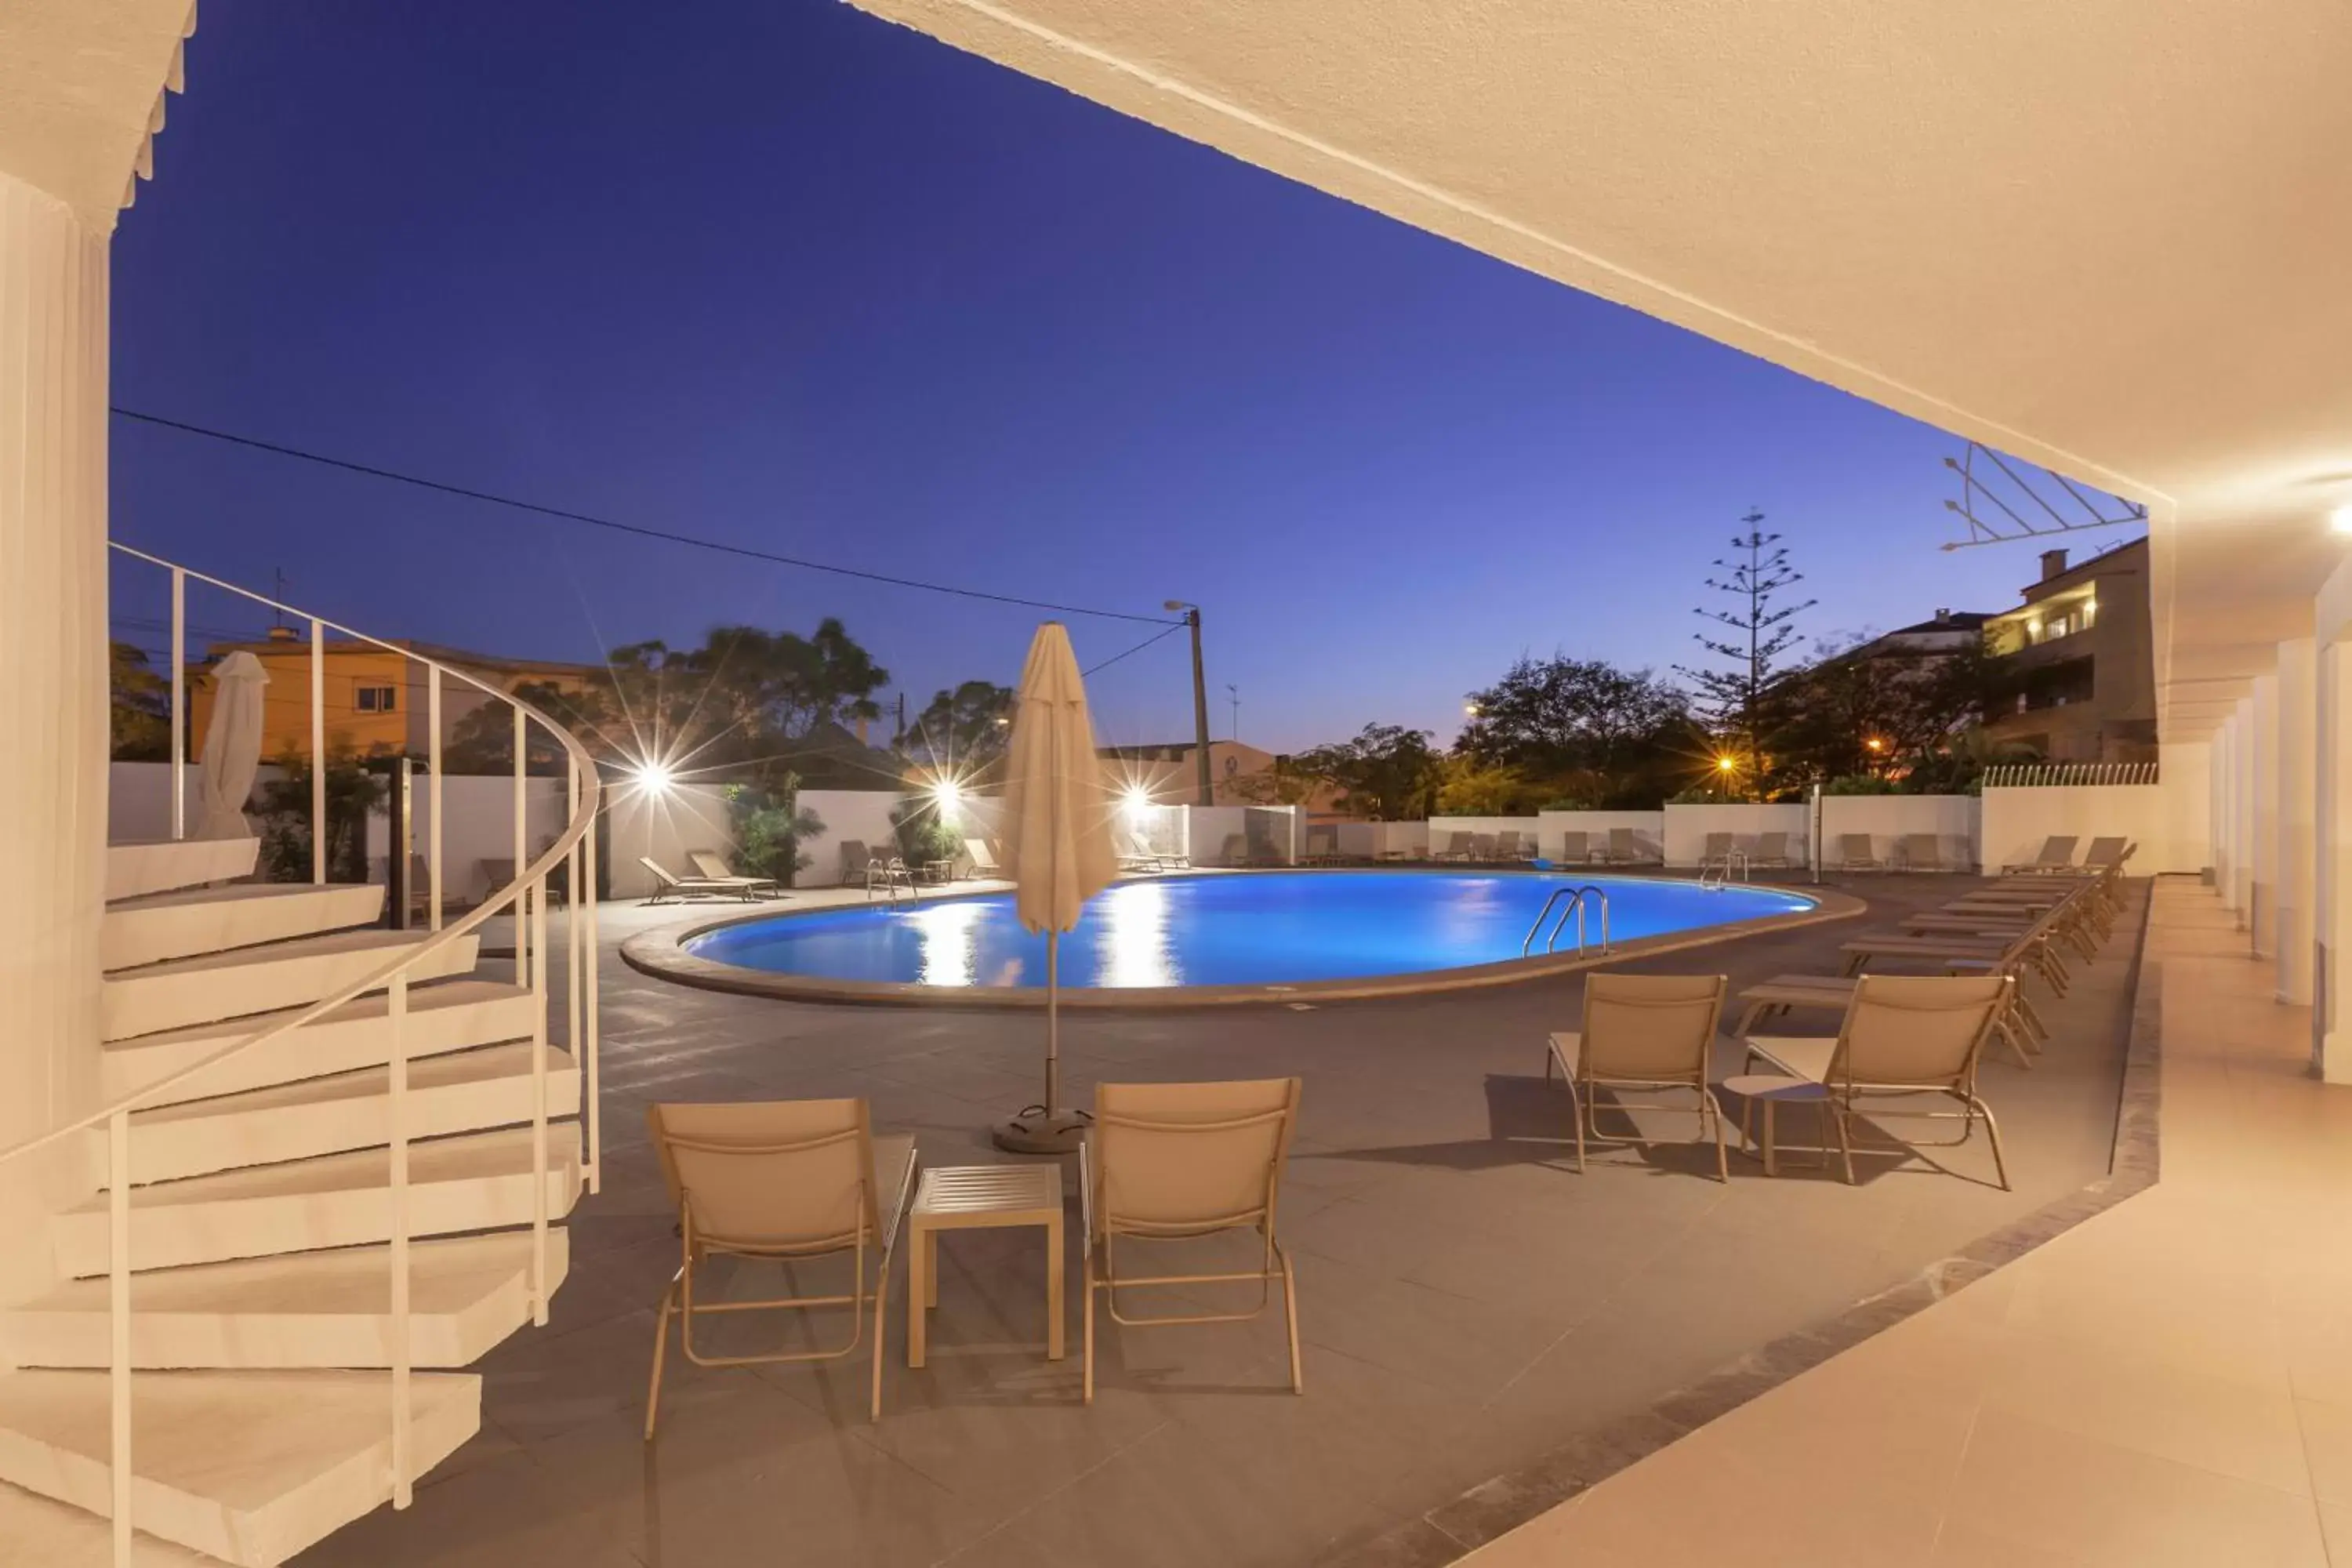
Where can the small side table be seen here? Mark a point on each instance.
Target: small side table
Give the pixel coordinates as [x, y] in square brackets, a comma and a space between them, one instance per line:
[980, 1197]
[1774, 1089]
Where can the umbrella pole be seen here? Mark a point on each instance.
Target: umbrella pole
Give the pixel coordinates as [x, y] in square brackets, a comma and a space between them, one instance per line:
[1053, 1025]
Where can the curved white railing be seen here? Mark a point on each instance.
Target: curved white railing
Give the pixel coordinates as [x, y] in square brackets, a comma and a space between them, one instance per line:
[574, 849]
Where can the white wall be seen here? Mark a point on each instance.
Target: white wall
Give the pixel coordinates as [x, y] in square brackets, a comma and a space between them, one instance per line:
[2168, 821]
[1688, 826]
[863, 814]
[1952, 818]
[1208, 827]
[1373, 840]
[139, 799]
[1649, 829]
[480, 827]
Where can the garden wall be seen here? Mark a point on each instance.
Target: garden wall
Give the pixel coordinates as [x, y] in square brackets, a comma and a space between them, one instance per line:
[2171, 821]
[1888, 819]
[1648, 827]
[1688, 826]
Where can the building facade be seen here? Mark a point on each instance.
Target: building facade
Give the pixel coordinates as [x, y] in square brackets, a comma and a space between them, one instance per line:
[2076, 661]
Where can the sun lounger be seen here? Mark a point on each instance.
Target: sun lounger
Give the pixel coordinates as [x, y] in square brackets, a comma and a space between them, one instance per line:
[982, 858]
[1624, 849]
[1507, 846]
[1923, 852]
[674, 887]
[1903, 1037]
[1458, 847]
[1855, 853]
[2057, 855]
[1166, 1162]
[860, 864]
[714, 868]
[779, 1181]
[1647, 1033]
[1577, 848]
[1715, 850]
[1772, 849]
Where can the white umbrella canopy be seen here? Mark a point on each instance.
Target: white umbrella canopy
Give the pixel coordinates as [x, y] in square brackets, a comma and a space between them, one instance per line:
[1058, 848]
[232, 754]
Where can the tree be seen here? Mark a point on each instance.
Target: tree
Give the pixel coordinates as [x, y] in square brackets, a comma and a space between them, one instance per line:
[964, 729]
[283, 805]
[1595, 733]
[142, 706]
[1469, 787]
[482, 739]
[1387, 772]
[1759, 634]
[1848, 713]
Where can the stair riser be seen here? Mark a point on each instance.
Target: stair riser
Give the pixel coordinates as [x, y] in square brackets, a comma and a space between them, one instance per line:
[281, 1341]
[259, 1537]
[145, 1004]
[331, 1046]
[162, 933]
[213, 1232]
[166, 1150]
[133, 870]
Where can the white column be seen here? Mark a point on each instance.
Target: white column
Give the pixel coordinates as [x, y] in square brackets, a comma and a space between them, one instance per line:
[2332, 896]
[2242, 811]
[2298, 842]
[2225, 811]
[2263, 817]
[53, 632]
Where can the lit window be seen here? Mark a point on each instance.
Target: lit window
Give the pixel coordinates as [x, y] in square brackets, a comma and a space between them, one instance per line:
[376, 699]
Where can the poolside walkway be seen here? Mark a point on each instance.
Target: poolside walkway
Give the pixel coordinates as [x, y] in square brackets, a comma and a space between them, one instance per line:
[1468, 1302]
[2168, 1383]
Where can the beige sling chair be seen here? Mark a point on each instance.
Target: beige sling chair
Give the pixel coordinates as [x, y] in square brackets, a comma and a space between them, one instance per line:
[1642, 1032]
[1904, 1036]
[780, 1180]
[1167, 1161]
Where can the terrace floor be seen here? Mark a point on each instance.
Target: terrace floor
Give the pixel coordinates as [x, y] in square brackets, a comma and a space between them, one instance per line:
[1469, 1304]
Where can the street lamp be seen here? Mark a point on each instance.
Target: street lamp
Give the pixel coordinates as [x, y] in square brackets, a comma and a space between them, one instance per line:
[1192, 614]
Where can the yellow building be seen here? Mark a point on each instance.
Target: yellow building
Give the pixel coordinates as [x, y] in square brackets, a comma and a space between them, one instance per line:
[376, 700]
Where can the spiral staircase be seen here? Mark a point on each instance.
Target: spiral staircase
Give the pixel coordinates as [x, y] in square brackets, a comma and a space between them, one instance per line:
[327, 1171]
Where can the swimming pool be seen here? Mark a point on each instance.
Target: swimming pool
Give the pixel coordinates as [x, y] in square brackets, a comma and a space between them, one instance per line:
[1273, 929]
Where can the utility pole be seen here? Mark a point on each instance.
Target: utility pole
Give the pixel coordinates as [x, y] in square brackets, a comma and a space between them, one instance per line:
[1200, 701]
[1234, 692]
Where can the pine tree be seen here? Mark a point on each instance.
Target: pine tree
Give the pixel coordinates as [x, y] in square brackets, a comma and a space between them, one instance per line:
[1760, 632]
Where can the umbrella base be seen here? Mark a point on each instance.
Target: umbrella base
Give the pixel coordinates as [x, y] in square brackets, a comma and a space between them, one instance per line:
[1035, 1132]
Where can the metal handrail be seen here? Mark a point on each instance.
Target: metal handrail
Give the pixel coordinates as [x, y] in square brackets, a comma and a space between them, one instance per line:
[574, 849]
[1575, 905]
[1722, 868]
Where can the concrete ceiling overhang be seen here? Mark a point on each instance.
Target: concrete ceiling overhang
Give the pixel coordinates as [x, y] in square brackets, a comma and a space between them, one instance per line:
[2114, 236]
[82, 85]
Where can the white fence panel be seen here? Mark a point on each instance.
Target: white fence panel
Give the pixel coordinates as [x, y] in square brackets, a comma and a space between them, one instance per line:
[1888, 819]
[2169, 822]
[1688, 826]
[1648, 828]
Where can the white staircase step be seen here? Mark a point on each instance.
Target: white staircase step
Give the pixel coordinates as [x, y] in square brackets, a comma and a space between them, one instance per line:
[156, 927]
[449, 1015]
[157, 996]
[455, 1093]
[135, 868]
[38, 1530]
[310, 1309]
[477, 1182]
[250, 1467]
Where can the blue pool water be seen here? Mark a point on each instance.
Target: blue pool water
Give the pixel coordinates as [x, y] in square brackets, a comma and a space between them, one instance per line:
[1263, 930]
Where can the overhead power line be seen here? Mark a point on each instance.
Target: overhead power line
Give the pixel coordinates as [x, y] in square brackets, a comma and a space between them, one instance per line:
[639, 530]
[1139, 648]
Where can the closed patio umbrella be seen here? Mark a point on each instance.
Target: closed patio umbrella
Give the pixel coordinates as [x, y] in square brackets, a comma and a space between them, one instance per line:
[232, 752]
[1058, 850]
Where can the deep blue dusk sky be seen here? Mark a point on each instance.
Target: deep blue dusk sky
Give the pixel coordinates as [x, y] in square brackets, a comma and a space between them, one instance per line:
[776, 272]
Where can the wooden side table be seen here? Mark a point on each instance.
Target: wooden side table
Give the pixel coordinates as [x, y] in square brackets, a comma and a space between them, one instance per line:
[980, 1197]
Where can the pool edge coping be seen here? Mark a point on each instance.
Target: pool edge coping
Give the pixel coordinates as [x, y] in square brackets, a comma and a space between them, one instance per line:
[661, 954]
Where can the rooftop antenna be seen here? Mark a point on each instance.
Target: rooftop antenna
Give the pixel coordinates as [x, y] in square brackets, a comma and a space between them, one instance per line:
[1989, 484]
[277, 592]
[1234, 696]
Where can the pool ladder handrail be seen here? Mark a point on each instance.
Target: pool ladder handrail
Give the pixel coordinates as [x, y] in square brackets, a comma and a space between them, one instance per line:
[1575, 897]
[1722, 870]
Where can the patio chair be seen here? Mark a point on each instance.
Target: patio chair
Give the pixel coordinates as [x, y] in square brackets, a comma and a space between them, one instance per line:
[1715, 850]
[2057, 855]
[674, 887]
[780, 1180]
[1507, 846]
[1855, 853]
[1577, 849]
[1181, 1161]
[982, 858]
[1482, 847]
[1322, 846]
[1458, 847]
[1771, 849]
[714, 868]
[1904, 1036]
[1624, 849]
[1649, 1032]
[1923, 852]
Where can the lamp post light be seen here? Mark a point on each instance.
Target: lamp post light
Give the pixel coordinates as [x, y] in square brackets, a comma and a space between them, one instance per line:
[1192, 614]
